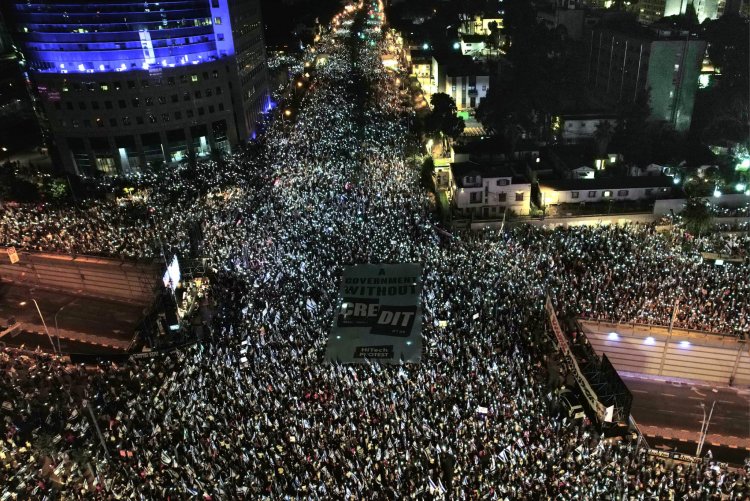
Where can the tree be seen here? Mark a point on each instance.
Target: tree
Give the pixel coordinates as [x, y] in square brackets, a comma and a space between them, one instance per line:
[603, 135]
[512, 132]
[697, 216]
[426, 174]
[691, 16]
[493, 37]
[57, 189]
[631, 135]
[444, 121]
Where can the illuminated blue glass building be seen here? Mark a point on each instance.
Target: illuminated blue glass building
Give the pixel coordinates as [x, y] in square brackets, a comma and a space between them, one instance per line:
[121, 85]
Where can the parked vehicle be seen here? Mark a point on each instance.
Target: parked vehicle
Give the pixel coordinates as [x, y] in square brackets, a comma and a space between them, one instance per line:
[571, 404]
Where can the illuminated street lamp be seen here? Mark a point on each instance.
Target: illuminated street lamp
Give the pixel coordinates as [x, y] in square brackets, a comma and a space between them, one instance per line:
[287, 113]
[23, 303]
[704, 427]
[456, 45]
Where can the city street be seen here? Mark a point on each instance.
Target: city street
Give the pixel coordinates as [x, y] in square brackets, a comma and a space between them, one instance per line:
[672, 411]
[82, 320]
[259, 410]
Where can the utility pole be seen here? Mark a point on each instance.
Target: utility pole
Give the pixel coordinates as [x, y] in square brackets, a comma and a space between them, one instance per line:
[669, 337]
[54, 348]
[57, 329]
[704, 427]
[98, 430]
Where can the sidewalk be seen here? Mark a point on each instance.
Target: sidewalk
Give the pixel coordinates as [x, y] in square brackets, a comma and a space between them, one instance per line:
[730, 441]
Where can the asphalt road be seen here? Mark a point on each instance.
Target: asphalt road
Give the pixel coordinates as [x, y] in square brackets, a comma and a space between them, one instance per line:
[671, 413]
[677, 406]
[82, 315]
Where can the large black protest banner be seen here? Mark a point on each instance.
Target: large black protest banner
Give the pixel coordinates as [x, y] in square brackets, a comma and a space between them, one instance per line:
[378, 315]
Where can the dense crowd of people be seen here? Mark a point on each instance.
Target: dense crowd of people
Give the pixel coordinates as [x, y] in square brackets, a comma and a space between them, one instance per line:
[255, 412]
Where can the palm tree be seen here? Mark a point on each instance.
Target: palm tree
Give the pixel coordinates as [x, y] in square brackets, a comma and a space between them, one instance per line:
[512, 132]
[603, 135]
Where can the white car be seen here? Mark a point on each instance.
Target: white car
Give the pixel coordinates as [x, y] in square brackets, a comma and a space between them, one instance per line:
[571, 404]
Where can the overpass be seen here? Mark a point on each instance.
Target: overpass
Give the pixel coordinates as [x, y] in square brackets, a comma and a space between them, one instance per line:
[685, 354]
[86, 304]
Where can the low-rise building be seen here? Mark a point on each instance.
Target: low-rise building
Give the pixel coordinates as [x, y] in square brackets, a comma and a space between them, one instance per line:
[424, 68]
[488, 190]
[458, 76]
[464, 80]
[581, 127]
[565, 19]
[480, 24]
[602, 189]
[473, 45]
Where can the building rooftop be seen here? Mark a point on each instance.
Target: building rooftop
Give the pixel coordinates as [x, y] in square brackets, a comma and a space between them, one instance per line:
[610, 183]
[495, 145]
[460, 65]
[664, 29]
[590, 115]
[489, 170]
[473, 38]
[572, 156]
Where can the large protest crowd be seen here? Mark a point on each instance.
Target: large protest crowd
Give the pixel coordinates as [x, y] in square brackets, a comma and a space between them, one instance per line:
[255, 412]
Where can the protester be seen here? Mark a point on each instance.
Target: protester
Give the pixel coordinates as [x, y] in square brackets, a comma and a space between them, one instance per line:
[255, 412]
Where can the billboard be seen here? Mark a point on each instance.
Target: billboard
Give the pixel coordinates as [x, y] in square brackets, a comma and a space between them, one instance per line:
[172, 276]
[378, 315]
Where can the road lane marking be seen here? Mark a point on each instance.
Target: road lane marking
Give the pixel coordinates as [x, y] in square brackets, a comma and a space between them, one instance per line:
[668, 395]
[694, 389]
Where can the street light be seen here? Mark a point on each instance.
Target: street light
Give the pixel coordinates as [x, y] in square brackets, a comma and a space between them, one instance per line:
[704, 427]
[57, 329]
[23, 303]
[669, 338]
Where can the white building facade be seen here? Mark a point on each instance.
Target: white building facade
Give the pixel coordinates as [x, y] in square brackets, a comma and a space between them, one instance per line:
[575, 191]
[467, 90]
[488, 191]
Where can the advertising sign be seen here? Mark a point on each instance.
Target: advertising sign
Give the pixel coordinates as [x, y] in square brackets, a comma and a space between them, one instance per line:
[378, 315]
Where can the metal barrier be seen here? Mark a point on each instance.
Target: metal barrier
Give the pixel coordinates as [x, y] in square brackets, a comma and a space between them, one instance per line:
[650, 327]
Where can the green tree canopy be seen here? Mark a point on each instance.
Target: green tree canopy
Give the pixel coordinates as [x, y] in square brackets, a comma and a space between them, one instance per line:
[697, 216]
[444, 121]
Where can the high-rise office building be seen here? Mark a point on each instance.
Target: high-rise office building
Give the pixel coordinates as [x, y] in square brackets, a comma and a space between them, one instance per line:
[627, 61]
[650, 11]
[121, 85]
